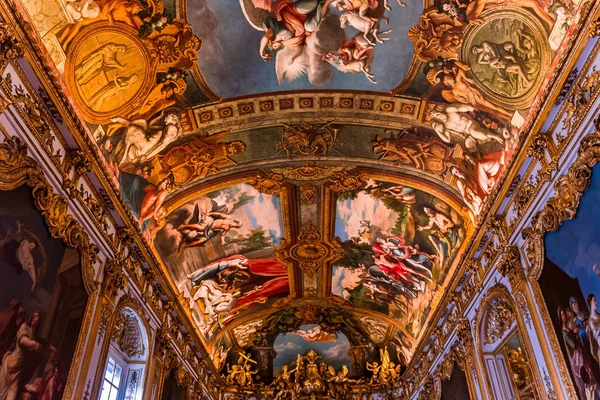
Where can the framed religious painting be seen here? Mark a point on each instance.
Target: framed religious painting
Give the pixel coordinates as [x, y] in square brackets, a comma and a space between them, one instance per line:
[570, 284]
[42, 301]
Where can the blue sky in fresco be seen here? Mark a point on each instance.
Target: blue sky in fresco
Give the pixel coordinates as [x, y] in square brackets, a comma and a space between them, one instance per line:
[231, 65]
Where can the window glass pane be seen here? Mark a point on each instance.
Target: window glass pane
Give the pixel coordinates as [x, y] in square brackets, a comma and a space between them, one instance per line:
[110, 369]
[113, 394]
[105, 390]
[117, 379]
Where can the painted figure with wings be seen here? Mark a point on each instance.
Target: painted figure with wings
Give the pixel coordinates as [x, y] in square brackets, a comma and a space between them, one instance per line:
[286, 24]
[19, 247]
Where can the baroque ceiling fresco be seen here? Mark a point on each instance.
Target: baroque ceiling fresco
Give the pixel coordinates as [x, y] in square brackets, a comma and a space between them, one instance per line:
[307, 172]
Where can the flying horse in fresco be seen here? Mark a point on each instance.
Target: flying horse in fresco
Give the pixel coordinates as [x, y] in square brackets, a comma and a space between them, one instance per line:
[287, 26]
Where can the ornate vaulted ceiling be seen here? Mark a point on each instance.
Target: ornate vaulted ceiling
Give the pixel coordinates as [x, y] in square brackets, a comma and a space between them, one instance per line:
[310, 171]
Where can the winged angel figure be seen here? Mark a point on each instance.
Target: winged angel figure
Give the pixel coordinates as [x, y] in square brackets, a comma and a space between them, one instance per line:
[287, 24]
[18, 247]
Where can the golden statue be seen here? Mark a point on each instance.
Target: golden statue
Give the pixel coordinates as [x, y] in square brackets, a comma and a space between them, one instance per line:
[241, 373]
[374, 368]
[284, 383]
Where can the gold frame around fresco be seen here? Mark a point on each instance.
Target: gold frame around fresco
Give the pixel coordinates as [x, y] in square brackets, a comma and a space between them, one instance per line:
[328, 216]
[18, 169]
[569, 189]
[289, 223]
[76, 47]
[541, 36]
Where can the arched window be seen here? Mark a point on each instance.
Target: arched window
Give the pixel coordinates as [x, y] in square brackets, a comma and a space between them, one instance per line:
[504, 355]
[126, 360]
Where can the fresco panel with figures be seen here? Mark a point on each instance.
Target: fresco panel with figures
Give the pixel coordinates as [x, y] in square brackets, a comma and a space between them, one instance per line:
[219, 250]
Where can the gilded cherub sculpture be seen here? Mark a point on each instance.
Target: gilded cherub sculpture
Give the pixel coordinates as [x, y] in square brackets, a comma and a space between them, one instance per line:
[241, 373]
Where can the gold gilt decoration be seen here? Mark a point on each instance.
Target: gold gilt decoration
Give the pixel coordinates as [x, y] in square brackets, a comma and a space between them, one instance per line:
[418, 150]
[345, 181]
[563, 206]
[307, 380]
[10, 48]
[436, 35]
[308, 194]
[499, 318]
[579, 98]
[309, 139]
[241, 374]
[308, 171]
[16, 169]
[197, 158]
[127, 333]
[114, 279]
[269, 184]
[31, 108]
[130, 68]
[508, 27]
[510, 265]
[309, 251]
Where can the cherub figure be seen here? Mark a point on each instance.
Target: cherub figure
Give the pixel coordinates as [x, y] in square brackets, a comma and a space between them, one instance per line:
[248, 372]
[375, 368]
[19, 247]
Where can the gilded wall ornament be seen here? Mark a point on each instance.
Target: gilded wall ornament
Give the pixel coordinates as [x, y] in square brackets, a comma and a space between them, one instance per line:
[499, 317]
[309, 250]
[269, 184]
[510, 265]
[127, 333]
[563, 206]
[507, 54]
[308, 194]
[309, 139]
[345, 181]
[10, 48]
[308, 171]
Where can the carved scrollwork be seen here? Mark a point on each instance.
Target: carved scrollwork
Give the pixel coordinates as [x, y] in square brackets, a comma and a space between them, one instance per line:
[345, 181]
[563, 206]
[128, 334]
[499, 318]
[16, 169]
[510, 266]
[269, 184]
[309, 251]
[10, 48]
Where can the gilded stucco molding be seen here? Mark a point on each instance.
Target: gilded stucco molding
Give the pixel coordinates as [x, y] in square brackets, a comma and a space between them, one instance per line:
[510, 266]
[16, 169]
[10, 47]
[563, 206]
